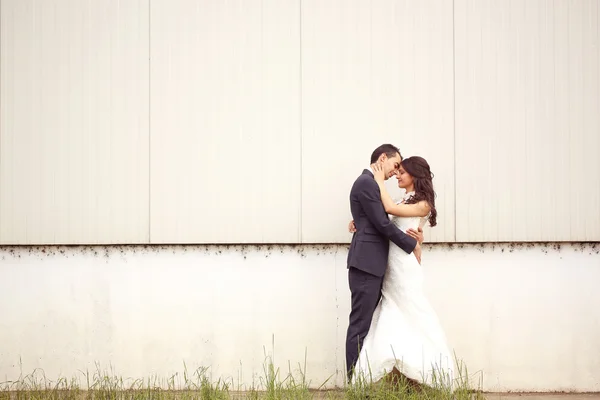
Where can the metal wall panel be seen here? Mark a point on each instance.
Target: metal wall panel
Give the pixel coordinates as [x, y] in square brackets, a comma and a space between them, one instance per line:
[225, 126]
[74, 122]
[373, 73]
[527, 120]
[251, 120]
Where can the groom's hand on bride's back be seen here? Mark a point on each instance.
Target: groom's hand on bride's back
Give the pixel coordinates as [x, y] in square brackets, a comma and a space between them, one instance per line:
[351, 227]
[417, 235]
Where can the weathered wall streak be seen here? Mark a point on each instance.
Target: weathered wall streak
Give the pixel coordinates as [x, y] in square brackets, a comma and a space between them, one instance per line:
[524, 314]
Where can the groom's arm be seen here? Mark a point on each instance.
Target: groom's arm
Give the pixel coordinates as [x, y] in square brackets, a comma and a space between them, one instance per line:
[370, 199]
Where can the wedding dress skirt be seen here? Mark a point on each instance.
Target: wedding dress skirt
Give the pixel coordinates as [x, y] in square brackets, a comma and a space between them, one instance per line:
[405, 331]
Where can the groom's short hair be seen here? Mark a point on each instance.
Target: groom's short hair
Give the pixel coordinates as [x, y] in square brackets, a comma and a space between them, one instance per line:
[389, 149]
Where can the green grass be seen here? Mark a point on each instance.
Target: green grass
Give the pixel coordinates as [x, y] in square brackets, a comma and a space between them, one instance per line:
[199, 385]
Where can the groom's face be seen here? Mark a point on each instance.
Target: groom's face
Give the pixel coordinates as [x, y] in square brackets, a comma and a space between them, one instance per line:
[391, 165]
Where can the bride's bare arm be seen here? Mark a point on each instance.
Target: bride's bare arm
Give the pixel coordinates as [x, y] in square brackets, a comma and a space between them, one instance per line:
[419, 209]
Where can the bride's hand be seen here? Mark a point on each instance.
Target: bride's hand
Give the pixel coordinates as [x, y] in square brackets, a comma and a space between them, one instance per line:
[378, 172]
[417, 252]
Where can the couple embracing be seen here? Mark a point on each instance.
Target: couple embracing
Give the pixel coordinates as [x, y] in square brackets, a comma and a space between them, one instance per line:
[392, 329]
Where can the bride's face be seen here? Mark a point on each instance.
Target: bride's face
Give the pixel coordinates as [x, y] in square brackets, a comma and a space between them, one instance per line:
[404, 179]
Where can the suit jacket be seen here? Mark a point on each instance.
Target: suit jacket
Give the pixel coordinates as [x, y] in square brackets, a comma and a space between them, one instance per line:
[374, 230]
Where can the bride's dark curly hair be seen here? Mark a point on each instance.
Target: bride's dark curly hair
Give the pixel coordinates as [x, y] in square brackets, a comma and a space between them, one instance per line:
[418, 168]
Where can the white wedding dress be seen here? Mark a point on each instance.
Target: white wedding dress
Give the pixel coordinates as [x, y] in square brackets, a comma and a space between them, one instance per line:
[405, 331]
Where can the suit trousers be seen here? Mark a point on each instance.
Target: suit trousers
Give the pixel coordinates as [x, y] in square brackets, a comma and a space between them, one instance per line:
[366, 293]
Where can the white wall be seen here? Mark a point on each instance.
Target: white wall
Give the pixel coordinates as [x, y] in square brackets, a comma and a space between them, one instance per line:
[247, 121]
[225, 121]
[527, 120]
[524, 314]
[74, 124]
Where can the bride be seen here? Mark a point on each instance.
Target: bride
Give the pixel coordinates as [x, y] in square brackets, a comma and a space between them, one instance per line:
[405, 336]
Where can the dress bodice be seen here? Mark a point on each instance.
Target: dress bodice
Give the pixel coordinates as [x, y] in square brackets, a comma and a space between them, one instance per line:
[405, 223]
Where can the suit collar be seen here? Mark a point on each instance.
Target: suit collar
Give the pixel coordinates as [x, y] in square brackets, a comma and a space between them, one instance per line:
[368, 172]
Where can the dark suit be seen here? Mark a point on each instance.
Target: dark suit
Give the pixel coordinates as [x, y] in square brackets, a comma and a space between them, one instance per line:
[367, 259]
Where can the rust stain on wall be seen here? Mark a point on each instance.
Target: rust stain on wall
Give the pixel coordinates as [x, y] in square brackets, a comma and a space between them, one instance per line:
[302, 250]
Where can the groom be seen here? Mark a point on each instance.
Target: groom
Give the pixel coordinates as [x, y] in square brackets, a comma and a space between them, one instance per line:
[368, 255]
